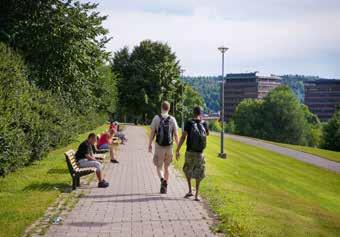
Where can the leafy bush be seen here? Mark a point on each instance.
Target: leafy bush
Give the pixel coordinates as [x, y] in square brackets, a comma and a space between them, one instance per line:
[279, 117]
[32, 121]
[214, 126]
[332, 132]
[230, 126]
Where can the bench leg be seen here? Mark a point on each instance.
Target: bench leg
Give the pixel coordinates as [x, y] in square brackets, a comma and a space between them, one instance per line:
[74, 183]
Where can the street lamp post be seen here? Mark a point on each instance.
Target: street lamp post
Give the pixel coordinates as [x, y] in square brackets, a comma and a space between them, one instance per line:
[182, 112]
[223, 155]
[174, 82]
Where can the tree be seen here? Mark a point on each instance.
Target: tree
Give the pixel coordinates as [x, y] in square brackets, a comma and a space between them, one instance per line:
[284, 118]
[147, 75]
[62, 42]
[191, 99]
[279, 117]
[247, 118]
[331, 132]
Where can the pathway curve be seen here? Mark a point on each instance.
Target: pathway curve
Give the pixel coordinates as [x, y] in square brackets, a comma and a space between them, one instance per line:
[302, 156]
[132, 205]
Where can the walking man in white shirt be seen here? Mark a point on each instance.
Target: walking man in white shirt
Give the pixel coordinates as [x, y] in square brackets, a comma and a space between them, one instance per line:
[164, 127]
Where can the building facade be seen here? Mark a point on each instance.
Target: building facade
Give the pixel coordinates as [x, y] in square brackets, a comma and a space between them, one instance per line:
[240, 86]
[322, 97]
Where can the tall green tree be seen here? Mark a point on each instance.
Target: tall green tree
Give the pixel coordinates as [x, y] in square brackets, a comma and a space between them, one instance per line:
[147, 75]
[63, 43]
[279, 117]
[284, 118]
[248, 118]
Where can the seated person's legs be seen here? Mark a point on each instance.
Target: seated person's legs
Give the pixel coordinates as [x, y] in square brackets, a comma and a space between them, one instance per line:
[84, 163]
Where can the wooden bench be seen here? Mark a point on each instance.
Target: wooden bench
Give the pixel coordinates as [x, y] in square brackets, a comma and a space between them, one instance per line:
[74, 169]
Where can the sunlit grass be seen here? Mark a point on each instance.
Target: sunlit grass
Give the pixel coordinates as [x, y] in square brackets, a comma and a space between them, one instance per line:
[256, 192]
[26, 193]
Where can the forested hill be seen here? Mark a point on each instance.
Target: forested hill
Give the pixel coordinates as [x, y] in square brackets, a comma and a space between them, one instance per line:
[209, 88]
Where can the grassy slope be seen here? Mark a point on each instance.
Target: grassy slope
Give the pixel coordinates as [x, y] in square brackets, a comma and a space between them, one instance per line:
[26, 193]
[327, 154]
[256, 192]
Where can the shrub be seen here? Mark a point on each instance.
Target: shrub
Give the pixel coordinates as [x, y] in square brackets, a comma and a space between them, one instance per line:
[230, 126]
[214, 126]
[332, 132]
[32, 121]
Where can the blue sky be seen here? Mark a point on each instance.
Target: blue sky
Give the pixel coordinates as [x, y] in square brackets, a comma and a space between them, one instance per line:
[270, 36]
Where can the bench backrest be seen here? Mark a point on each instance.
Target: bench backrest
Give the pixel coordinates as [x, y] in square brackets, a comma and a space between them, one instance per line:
[71, 161]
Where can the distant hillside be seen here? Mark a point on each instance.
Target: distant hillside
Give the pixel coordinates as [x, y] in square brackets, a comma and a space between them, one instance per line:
[209, 87]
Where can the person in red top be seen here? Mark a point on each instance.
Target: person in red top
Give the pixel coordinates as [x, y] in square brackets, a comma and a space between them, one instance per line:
[105, 142]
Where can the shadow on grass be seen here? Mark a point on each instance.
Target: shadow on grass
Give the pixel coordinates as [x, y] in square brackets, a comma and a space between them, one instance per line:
[46, 187]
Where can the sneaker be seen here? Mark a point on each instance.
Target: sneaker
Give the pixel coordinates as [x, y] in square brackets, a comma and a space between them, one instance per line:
[103, 184]
[115, 161]
[164, 186]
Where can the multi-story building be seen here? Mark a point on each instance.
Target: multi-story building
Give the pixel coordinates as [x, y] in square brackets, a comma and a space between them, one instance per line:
[240, 86]
[322, 97]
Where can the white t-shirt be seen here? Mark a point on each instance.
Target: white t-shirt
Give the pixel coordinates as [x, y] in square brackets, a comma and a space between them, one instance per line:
[156, 120]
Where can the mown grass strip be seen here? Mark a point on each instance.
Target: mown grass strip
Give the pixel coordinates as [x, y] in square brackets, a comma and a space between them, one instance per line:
[28, 192]
[256, 192]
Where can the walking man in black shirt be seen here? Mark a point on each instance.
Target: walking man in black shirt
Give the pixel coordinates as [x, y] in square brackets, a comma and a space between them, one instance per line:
[196, 132]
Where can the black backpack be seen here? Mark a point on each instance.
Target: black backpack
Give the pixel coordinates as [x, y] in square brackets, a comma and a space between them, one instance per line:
[198, 136]
[164, 132]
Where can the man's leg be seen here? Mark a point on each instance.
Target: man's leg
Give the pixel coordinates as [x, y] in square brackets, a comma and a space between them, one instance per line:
[166, 171]
[160, 172]
[112, 154]
[189, 194]
[99, 175]
[198, 181]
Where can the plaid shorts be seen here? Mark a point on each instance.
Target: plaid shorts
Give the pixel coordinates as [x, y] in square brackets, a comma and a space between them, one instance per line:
[194, 165]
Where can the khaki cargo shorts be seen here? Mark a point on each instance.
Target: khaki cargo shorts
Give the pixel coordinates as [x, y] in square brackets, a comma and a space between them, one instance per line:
[163, 155]
[194, 165]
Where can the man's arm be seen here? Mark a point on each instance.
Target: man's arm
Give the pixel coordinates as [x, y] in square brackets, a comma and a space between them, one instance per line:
[152, 136]
[89, 157]
[181, 141]
[176, 137]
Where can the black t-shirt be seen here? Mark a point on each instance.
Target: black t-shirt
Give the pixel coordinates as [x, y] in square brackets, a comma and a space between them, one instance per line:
[84, 149]
[187, 128]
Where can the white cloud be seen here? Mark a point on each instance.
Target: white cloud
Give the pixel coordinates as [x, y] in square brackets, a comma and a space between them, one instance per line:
[259, 41]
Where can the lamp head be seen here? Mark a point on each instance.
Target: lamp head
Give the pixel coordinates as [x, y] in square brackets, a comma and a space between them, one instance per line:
[223, 49]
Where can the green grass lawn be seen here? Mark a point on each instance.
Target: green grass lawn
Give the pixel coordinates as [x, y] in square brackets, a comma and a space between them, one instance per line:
[26, 193]
[256, 192]
[327, 154]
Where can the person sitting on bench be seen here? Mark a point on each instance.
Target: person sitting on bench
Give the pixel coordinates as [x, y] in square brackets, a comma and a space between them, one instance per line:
[119, 133]
[105, 142]
[85, 158]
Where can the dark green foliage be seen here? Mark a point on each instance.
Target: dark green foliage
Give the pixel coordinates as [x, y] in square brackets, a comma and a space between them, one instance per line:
[279, 117]
[62, 89]
[209, 88]
[248, 118]
[331, 132]
[62, 43]
[147, 76]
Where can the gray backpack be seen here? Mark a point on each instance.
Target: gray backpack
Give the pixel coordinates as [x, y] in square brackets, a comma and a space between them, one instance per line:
[164, 132]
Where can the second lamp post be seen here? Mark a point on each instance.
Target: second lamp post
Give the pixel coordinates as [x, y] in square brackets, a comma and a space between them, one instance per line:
[222, 154]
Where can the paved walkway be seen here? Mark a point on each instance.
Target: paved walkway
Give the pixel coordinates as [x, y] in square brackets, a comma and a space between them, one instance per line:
[302, 156]
[132, 205]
